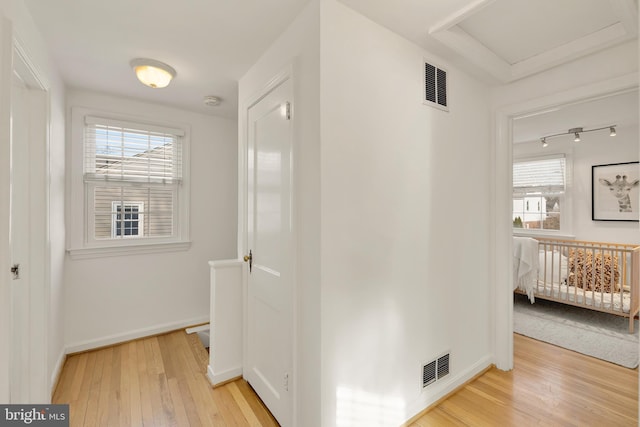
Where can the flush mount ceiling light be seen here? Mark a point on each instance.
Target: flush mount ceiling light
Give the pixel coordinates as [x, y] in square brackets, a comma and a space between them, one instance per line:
[576, 133]
[153, 73]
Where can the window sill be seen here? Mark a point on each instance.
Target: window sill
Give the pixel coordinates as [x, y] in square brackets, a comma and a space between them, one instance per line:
[520, 232]
[110, 251]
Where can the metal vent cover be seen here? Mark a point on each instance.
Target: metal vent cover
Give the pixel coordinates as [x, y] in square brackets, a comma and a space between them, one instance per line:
[435, 370]
[443, 366]
[435, 87]
[428, 373]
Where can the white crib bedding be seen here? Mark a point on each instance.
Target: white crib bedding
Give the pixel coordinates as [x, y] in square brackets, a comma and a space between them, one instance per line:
[601, 300]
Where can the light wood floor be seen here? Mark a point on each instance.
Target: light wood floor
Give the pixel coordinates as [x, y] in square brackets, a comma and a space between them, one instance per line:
[549, 386]
[157, 381]
[160, 381]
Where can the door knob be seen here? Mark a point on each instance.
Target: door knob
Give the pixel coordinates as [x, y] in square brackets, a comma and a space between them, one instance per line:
[249, 259]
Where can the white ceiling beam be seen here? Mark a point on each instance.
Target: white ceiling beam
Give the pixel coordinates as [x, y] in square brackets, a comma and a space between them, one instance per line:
[458, 40]
[627, 13]
[460, 15]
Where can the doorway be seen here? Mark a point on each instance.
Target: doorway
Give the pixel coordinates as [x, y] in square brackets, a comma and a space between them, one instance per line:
[503, 313]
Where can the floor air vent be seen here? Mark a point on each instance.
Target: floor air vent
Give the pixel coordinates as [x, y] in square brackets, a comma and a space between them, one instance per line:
[435, 370]
[435, 87]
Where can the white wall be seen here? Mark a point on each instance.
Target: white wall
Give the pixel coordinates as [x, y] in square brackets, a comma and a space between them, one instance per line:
[299, 46]
[596, 148]
[601, 149]
[121, 297]
[405, 267]
[30, 39]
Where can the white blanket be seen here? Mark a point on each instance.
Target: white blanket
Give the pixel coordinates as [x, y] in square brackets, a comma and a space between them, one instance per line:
[525, 265]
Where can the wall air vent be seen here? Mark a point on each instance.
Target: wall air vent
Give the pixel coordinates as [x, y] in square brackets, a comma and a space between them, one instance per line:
[443, 366]
[435, 87]
[435, 370]
[428, 373]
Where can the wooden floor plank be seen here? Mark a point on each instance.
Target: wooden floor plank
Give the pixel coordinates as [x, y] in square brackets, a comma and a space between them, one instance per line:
[104, 390]
[135, 407]
[181, 417]
[91, 413]
[143, 378]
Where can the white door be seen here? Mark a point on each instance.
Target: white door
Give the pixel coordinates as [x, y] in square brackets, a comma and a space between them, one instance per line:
[5, 252]
[19, 241]
[24, 221]
[269, 229]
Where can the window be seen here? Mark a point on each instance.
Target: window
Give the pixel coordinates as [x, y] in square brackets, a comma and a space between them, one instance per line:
[131, 189]
[128, 220]
[539, 193]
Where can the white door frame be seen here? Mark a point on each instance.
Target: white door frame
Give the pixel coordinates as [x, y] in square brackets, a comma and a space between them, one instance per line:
[5, 163]
[243, 215]
[14, 59]
[502, 180]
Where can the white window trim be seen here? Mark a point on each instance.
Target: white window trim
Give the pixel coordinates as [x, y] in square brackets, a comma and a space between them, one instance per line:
[566, 221]
[79, 246]
[140, 219]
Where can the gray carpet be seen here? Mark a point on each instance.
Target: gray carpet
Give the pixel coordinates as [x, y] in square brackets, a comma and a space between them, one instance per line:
[589, 332]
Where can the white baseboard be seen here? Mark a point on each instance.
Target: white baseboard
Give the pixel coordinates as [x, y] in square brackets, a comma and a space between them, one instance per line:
[132, 335]
[429, 398]
[222, 377]
[57, 370]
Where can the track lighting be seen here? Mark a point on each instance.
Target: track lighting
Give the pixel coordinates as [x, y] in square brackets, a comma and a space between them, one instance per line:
[576, 133]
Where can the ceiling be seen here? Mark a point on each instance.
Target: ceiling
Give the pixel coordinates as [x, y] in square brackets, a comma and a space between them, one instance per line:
[507, 39]
[617, 109]
[212, 43]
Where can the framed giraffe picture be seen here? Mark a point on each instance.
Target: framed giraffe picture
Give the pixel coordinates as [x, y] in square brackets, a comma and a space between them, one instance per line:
[615, 192]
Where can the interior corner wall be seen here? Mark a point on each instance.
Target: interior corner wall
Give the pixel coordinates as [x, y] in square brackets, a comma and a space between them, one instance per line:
[299, 46]
[57, 231]
[405, 229]
[32, 42]
[116, 298]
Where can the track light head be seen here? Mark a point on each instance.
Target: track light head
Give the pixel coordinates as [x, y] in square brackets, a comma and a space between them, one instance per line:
[612, 130]
[577, 137]
[544, 142]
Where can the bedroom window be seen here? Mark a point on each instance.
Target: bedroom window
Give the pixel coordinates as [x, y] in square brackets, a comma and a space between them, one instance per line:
[539, 193]
[128, 187]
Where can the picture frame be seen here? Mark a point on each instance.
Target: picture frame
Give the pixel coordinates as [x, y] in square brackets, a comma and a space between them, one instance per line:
[615, 190]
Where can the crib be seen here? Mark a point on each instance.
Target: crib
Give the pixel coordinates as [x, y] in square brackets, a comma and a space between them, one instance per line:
[593, 275]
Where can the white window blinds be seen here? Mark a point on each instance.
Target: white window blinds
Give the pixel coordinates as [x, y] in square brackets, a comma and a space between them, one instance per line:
[539, 176]
[120, 151]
